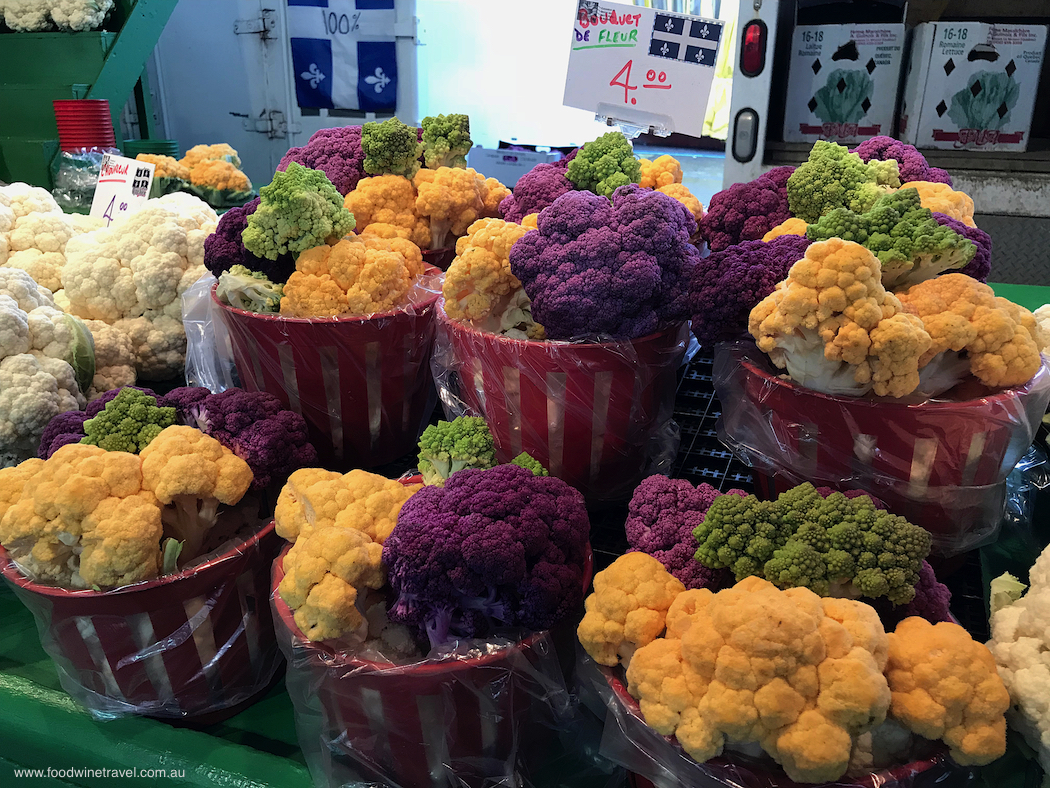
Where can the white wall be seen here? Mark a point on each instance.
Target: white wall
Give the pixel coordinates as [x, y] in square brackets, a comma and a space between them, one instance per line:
[503, 63]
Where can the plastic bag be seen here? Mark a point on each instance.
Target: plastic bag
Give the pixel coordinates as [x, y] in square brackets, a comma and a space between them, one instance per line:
[478, 713]
[198, 644]
[597, 414]
[362, 383]
[941, 463]
[209, 354]
[75, 173]
[657, 761]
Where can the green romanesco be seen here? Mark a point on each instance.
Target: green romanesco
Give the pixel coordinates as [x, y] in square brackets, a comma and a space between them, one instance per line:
[526, 460]
[833, 177]
[833, 546]
[446, 140]
[391, 148]
[128, 423]
[298, 210]
[450, 446]
[911, 245]
[605, 164]
[252, 291]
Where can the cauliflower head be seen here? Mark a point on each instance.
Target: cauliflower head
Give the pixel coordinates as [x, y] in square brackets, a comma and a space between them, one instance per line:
[479, 283]
[799, 675]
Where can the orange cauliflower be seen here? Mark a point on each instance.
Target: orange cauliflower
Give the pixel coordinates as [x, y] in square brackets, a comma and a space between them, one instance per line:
[479, 280]
[360, 275]
[941, 198]
[451, 199]
[165, 166]
[199, 153]
[84, 518]
[388, 200]
[790, 226]
[314, 499]
[836, 329]
[628, 608]
[220, 174]
[492, 194]
[686, 197]
[323, 575]
[663, 171]
[1002, 340]
[945, 686]
[799, 675]
[530, 221]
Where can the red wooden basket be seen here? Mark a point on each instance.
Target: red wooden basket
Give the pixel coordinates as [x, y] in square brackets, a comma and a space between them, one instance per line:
[196, 645]
[361, 383]
[587, 412]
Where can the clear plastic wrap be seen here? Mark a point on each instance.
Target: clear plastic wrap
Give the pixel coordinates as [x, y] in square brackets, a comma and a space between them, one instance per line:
[942, 463]
[656, 761]
[75, 173]
[597, 414]
[209, 354]
[197, 645]
[361, 383]
[479, 713]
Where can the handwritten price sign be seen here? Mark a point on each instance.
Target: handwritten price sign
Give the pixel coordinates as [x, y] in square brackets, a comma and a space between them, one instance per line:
[614, 46]
[123, 186]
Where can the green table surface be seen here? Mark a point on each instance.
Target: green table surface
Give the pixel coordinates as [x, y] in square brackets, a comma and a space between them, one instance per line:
[1031, 297]
[40, 727]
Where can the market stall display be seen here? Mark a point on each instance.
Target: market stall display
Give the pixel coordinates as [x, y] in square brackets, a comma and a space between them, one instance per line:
[464, 593]
[211, 172]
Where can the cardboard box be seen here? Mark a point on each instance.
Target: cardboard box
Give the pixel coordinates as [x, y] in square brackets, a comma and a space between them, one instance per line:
[506, 165]
[972, 86]
[843, 82]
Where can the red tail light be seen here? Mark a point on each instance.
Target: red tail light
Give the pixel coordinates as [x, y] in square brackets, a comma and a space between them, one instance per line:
[753, 48]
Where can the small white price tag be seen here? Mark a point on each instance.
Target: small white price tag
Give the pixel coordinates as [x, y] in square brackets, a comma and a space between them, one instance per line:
[641, 66]
[123, 186]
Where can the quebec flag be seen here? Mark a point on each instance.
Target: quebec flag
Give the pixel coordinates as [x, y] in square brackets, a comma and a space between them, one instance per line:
[344, 54]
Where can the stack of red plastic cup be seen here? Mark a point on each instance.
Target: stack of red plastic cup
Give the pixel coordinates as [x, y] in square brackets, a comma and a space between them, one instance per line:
[84, 123]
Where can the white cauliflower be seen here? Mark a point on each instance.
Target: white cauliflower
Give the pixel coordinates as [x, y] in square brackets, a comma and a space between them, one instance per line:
[1042, 318]
[33, 390]
[114, 358]
[48, 232]
[82, 223]
[7, 222]
[133, 273]
[14, 328]
[1021, 646]
[79, 14]
[26, 16]
[21, 287]
[44, 267]
[24, 199]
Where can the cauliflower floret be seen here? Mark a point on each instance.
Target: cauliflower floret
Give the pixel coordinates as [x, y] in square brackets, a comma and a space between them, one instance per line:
[20, 286]
[22, 198]
[33, 390]
[80, 14]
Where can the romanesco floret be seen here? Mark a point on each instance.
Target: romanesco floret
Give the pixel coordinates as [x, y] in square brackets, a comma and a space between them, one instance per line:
[252, 291]
[605, 164]
[450, 446]
[391, 148]
[911, 245]
[833, 546]
[130, 421]
[833, 177]
[526, 460]
[298, 210]
[446, 140]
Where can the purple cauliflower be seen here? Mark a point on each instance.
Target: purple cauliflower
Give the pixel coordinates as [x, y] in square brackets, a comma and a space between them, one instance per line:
[336, 152]
[493, 548]
[726, 285]
[746, 211]
[535, 190]
[63, 429]
[912, 164]
[224, 248]
[931, 597]
[183, 399]
[255, 426]
[660, 521]
[981, 264]
[618, 269]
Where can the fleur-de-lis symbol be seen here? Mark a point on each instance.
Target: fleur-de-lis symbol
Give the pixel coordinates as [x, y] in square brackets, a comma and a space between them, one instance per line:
[380, 80]
[700, 56]
[664, 49]
[313, 76]
[668, 26]
[704, 32]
